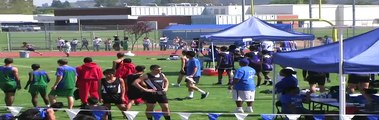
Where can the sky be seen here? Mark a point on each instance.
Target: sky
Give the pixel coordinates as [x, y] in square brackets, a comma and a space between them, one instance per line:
[40, 2]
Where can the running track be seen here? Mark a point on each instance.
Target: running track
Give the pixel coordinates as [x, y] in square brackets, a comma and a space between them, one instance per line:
[88, 53]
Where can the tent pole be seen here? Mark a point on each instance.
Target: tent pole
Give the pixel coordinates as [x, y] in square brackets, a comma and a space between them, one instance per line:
[213, 56]
[342, 95]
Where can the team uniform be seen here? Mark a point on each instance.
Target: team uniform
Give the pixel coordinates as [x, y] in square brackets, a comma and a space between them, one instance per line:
[266, 63]
[111, 92]
[133, 93]
[184, 72]
[66, 86]
[39, 83]
[67, 47]
[244, 90]
[156, 83]
[7, 79]
[255, 61]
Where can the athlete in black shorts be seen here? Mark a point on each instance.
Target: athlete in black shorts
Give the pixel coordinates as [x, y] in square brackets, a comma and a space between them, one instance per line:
[155, 86]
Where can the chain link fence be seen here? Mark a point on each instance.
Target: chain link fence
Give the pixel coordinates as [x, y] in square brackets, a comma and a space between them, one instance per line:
[46, 37]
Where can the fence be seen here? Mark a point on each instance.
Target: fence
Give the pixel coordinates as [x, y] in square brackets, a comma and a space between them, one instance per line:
[45, 39]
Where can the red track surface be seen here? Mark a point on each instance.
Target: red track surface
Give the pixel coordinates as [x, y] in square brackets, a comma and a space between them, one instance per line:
[88, 53]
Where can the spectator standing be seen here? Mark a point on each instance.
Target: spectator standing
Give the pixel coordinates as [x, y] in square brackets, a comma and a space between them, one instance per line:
[225, 64]
[96, 43]
[163, 43]
[60, 43]
[267, 66]
[243, 86]
[89, 75]
[65, 83]
[38, 80]
[154, 85]
[254, 57]
[108, 44]
[125, 45]
[315, 78]
[74, 44]
[9, 81]
[84, 44]
[268, 46]
[116, 45]
[146, 44]
[193, 74]
[67, 48]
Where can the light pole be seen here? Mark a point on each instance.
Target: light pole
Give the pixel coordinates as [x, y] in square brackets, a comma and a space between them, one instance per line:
[243, 10]
[353, 17]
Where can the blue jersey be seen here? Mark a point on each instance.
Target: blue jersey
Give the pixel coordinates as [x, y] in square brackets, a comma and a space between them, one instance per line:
[69, 74]
[245, 75]
[191, 65]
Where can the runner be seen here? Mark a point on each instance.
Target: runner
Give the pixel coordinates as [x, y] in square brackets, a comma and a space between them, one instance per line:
[29, 47]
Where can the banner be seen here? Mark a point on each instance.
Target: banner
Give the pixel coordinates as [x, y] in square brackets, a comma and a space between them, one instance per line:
[372, 117]
[268, 116]
[15, 110]
[157, 115]
[184, 116]
[213, 116]
[293, 117]
[131, 114]
[241, 116]
[72, 113]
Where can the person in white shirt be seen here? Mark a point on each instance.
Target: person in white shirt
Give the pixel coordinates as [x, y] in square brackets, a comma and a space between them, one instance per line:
[96, 43]
[269, 46]
[60, 43]
[163, 43]
[146, 44]
[67, 48]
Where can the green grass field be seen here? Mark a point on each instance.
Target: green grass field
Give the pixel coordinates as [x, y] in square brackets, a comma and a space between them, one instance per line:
[219, 100]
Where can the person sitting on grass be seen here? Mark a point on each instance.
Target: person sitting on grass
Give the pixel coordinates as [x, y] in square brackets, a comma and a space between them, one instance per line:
[38, 80]
[292, 102]
[29, 47]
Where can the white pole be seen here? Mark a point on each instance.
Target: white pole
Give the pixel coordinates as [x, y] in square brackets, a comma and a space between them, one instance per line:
[342, 95]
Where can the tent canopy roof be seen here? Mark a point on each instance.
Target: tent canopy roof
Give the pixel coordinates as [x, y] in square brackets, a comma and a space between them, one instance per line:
[257, 30]
[361, 56]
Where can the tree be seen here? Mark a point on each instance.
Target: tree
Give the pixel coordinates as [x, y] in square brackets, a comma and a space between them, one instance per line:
[66, 4]
[106, 3]
[57, 4]
[138, 30]
[130, 2]
[20, 6]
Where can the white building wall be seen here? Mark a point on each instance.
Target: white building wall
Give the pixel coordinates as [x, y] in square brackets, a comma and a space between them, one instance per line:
[166, 10]
[16, 18]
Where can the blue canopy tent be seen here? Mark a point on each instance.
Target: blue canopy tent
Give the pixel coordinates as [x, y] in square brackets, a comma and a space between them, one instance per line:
[360, 56]
[355, 55]
[258, 30]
